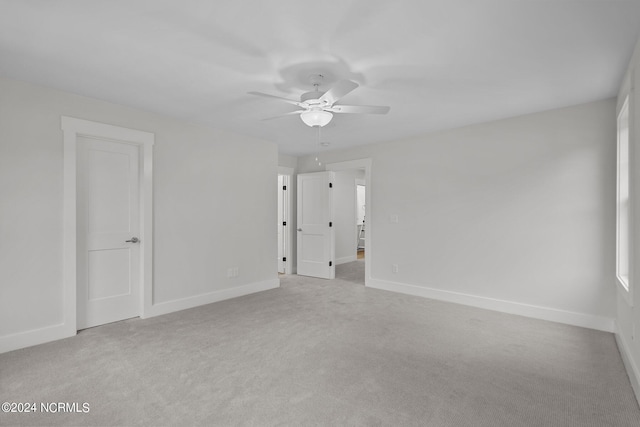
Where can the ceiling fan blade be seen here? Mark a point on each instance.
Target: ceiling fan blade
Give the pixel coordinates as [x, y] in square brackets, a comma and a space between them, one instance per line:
[359, 109]
[339, 90]
[284, 115]
[266, 95]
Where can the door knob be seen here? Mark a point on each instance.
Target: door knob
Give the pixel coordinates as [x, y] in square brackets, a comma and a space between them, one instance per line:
[299, 229]
[133, 240]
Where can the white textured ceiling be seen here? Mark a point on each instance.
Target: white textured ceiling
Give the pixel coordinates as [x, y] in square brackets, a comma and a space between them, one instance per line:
[439, 64]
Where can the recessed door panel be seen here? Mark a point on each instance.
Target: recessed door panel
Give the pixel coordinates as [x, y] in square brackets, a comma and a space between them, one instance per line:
[313, 247]
[109, 191]
[109, 274]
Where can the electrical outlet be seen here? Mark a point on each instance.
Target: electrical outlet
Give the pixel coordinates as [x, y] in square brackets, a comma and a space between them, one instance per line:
[394, 268]
[394, 219]
[236, 271]
[229, 272]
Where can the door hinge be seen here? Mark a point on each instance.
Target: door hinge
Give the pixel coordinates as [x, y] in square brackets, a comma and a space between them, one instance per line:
[284, 187]
[330, 224]
[330, 263]
[330, 185]
[284, 222]
[284, 259]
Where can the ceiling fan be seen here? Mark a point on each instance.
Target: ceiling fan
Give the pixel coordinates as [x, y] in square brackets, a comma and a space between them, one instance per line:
[318, 107]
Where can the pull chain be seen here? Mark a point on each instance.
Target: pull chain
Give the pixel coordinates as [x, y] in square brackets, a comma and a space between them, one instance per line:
[318, 141]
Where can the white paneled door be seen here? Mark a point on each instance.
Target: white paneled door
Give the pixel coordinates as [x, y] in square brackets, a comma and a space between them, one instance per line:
[108, 231]
[315, 233]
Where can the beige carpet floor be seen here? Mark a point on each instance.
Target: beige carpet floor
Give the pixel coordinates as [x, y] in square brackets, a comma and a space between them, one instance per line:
[316, 352]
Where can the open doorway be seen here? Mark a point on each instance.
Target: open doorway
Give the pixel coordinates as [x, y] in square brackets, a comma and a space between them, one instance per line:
[349, 215]
[361, 203]
[352, 219]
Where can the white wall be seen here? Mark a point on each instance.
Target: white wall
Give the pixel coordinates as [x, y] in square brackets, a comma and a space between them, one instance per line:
[628, 316]
[287, 161]
[214, 207]
[515, 215]
[344, 199]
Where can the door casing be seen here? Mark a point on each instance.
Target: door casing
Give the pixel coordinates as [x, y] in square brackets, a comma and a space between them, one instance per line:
[287, 178]
[72, 128]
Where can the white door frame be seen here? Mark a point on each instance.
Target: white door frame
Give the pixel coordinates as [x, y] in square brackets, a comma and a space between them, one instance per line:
[287, 173]
[368, 242]
[72, 128]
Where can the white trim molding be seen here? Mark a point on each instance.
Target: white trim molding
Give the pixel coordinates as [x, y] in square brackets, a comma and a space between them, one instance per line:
[73, 128]
[624, 199]
[288, 174]
[536, 312]
[211, 297]
[632, 369]
[34, 337]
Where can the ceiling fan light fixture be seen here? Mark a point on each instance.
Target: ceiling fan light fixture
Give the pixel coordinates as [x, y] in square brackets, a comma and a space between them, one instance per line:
[317, 107]
[316, 117]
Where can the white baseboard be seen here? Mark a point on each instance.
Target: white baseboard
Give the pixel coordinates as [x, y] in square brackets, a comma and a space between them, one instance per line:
[346, 259]
[211, 297]
[544, 313]
[35, 337]
[56, 332]
[632, 369]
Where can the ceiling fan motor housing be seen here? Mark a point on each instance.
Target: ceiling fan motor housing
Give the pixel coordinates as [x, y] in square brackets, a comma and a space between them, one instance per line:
[313, 95]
